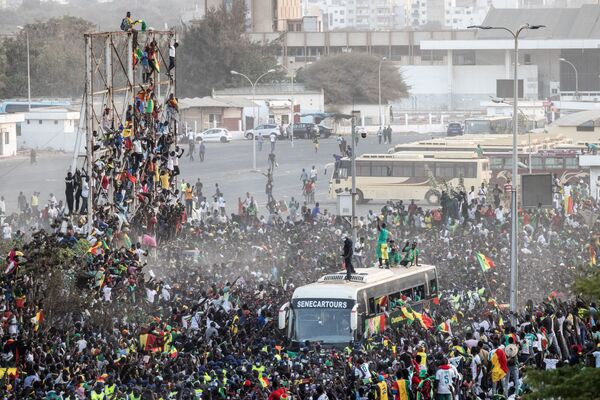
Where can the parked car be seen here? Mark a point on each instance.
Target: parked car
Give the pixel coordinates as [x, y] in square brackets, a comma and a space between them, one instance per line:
[455, 129]
[214, 135]
[265, 130]
[301, 129]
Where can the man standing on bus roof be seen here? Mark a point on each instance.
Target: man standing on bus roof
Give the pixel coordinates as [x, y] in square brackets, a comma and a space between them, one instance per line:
[479, 151]
[382, 240]
[348, 253]
[413, 254]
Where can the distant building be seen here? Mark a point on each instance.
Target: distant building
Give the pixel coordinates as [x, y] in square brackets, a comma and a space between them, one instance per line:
[459, 69]
[278, 99]
[49, 129]
[8, 133]
[201, 113]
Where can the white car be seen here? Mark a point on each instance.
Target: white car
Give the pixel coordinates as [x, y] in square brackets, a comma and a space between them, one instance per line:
[265, 130]
[214, 135]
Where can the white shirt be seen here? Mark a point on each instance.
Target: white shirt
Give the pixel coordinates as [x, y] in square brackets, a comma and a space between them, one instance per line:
[475, 363]
[2, 207]
[313, 173]
[150, 293]
[106, 291]
[358, 249]
[81, 345]
[7, 232]
[172, 51]
[445, 378]
[499, 215]
[471, 197]
[596, 355]
[550, 363]
[85, 189]
[137, 146]
[166, 296]
[272, 137]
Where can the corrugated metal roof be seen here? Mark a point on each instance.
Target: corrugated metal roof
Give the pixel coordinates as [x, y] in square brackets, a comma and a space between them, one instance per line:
[208, 102]
[579, 118]
[561, 23]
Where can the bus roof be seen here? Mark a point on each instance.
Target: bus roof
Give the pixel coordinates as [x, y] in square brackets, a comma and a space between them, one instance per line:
[539, 141]
[421, 155]
[492, 118]
[556, 152]
[335, 286]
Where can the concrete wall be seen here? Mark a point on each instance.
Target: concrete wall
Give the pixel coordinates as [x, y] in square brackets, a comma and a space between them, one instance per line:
[46, 131]
[308, 102]
[459, 87]
[8, 139]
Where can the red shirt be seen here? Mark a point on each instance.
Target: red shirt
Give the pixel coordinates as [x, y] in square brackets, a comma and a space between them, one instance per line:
[276, 394]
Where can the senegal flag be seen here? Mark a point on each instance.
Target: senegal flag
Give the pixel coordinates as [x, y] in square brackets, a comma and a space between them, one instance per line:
[444, 327]
[425, 320]
[499, 365]
[485, 262]
[408, 315]
[150, 342]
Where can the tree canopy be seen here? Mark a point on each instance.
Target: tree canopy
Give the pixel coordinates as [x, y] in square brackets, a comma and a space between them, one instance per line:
[217, 45]
[353, 78]
[57, 59]
[567, 383]
[588, 284]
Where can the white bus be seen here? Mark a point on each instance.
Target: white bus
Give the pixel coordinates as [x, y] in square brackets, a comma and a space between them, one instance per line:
[409, 175]
[335, 311]
[488, 125]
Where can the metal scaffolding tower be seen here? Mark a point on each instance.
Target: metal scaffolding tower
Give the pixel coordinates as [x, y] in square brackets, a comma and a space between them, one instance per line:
[115, 74]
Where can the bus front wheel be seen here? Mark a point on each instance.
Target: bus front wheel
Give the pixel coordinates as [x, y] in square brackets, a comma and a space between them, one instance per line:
[360, 197]
[433, 197]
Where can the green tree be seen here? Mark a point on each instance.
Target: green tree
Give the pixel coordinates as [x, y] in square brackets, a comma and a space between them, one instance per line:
[57, 59]
[588, 283]
[567, 383]
[570, 383]
[354, 78]
[214, 46]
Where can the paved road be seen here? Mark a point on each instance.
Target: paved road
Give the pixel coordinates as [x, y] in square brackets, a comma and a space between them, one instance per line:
[228, 164]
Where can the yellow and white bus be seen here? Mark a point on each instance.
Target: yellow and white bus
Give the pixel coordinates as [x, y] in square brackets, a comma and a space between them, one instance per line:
[334, 311]
[409, 175]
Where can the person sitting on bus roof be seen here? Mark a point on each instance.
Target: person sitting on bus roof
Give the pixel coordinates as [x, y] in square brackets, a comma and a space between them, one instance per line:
[479, 151]
[592, 148]
[394, 255]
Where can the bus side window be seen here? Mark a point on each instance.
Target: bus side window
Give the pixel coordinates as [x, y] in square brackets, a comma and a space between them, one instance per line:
[407, 293]
[372, 309]
[433, 286]
[419, 293]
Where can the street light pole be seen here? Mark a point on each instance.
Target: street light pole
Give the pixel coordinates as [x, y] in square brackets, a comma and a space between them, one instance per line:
[514, 273]
[354, 231]
[499, 100]
[381, 122]
[28, 69]
[253, 84]
[576, 76]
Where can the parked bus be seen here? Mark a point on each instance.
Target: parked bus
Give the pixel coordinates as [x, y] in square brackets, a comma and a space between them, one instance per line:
[335, 311]
[565, 164]
[488, 125]
[408, 175]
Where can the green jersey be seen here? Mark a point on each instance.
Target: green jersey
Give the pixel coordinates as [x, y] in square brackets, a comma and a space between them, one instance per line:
[383, 236]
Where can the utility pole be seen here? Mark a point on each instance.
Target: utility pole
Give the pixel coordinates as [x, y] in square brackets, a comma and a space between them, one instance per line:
[514, 270]
[355, 115]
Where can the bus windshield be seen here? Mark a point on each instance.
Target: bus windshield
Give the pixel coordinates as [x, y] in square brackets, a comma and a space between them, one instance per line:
[329, 325]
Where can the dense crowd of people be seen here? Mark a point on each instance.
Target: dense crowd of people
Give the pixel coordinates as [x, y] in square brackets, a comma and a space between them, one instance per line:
[170, 293]
[194, 317]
